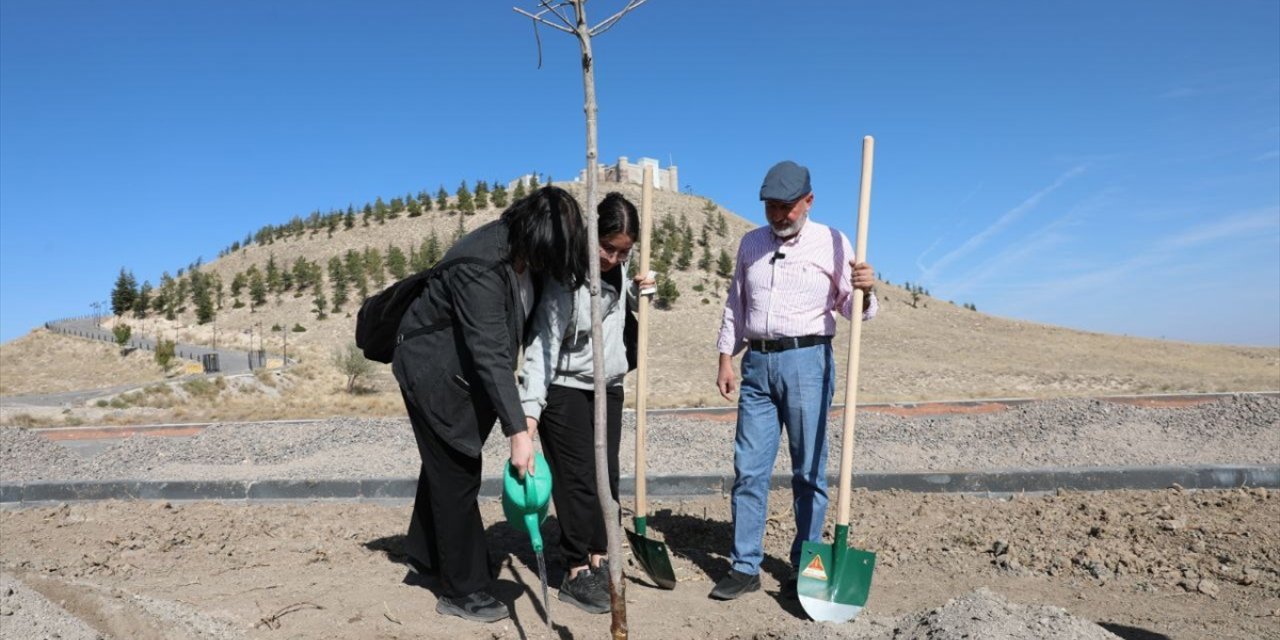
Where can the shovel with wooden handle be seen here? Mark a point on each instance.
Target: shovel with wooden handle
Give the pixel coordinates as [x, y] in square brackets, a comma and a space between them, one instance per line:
[834, 579]
[650, 554]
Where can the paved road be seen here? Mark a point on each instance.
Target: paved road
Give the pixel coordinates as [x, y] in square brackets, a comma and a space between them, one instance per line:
[230, 361]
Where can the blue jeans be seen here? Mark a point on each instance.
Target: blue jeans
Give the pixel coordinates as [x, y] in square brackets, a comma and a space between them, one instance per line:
[788, 390]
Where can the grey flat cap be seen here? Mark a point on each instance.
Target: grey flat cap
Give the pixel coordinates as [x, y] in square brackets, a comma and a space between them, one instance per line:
[785, 182]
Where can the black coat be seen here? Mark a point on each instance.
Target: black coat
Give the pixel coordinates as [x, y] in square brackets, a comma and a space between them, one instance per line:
[462, 376]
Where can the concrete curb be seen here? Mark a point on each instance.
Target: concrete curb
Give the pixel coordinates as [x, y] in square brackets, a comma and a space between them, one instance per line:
[1000, 482]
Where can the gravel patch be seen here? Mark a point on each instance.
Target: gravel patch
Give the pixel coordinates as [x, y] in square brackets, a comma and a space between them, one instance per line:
[25, 613]
[1241, 429]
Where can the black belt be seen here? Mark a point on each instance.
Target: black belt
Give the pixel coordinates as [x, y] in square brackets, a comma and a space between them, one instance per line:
[782, 344]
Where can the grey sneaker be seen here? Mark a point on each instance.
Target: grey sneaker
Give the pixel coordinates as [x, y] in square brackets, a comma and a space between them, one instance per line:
[586, 591]
[477, 607]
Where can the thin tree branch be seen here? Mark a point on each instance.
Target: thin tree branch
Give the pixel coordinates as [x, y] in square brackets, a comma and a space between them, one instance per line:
[555, 9]
[544, 21]
[612, 20]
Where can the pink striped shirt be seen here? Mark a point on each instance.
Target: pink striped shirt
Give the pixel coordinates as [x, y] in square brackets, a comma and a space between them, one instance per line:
[796, 293]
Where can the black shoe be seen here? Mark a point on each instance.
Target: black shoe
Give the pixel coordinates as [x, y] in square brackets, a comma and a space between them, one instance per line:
[735, 584]
[586, 591]
[477, 607]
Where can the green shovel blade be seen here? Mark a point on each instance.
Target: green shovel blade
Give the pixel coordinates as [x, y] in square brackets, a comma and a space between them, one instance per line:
[652, 556]
[834, 583]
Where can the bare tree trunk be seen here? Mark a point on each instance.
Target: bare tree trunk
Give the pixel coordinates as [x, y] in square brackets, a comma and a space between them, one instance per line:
[552, 16]
[608, 506]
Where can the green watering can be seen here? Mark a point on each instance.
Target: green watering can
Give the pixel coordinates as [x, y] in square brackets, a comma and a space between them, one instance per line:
[526, 502]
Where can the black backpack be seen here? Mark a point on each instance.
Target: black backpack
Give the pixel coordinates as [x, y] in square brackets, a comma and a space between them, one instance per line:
[378, 323]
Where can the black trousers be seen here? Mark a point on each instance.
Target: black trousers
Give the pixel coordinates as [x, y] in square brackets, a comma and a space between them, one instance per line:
[446, 533]
[567, 431]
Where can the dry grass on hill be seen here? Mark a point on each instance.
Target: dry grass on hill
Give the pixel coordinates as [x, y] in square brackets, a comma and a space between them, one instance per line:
[45, 362]
[934, 350]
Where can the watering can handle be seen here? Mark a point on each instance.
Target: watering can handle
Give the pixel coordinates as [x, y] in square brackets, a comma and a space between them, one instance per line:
[531, 520]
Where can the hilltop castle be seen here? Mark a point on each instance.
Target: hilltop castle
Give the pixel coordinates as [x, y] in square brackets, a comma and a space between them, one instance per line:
[624, 172]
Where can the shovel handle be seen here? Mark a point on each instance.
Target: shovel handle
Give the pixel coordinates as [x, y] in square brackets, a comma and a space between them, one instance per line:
[855, 337]
[642, 343]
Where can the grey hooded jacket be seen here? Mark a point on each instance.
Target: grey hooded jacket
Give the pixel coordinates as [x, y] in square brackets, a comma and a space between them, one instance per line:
[560, 350]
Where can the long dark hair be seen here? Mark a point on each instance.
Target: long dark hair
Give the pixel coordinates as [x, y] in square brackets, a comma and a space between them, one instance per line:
[546, 234]
[617, 215]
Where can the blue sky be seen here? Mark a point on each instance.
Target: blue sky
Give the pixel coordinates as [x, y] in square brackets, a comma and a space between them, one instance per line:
[1104, 166]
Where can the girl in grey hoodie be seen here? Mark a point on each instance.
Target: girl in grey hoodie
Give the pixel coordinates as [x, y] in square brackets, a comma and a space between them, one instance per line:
[557, 391]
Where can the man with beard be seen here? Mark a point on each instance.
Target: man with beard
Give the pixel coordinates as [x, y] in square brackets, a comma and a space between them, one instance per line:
[791, 278]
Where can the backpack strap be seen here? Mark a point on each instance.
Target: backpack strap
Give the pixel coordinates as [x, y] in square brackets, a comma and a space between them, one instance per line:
[439, 268]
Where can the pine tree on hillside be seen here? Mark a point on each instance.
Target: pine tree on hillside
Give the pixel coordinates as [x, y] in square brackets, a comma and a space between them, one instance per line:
[319, 304]
[356, 271]
[431, 252]
[686, 249]
[349, 218]
[499, 195]
[668, 256]
[724, 265]
[257, 288]
[366, 215]
[704, 263]
[274, 282]
[442, 199]
[166, 298]
[482, 195]
[180, 294]
[396, 263]
[374, 267]
[301, 271]
[518, 193]
[143, 303]
[338, 280]
[124, 294]
[202, 295]
[460, 231]
[380, 211]
[668, 293]
[533, 182]
[465, 203]
[414, 209]
[424, 200]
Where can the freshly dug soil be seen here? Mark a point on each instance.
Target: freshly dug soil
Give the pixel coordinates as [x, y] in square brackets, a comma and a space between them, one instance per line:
[1166, 564]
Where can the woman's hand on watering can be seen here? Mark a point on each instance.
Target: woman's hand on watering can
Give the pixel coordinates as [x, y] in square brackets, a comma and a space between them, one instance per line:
[522, 453]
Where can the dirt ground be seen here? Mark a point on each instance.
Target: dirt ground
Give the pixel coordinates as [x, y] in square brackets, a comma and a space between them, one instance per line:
[1149, 565]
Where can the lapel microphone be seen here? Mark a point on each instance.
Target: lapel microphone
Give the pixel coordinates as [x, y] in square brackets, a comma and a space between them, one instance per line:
[777, 255]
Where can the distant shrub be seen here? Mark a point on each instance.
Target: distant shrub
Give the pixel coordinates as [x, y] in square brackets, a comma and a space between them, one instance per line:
[122, 332]
[351, 363]
[165, 353]
[298, 328]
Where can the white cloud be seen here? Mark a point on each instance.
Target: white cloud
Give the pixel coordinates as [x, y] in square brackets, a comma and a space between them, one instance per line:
[1009, 217]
